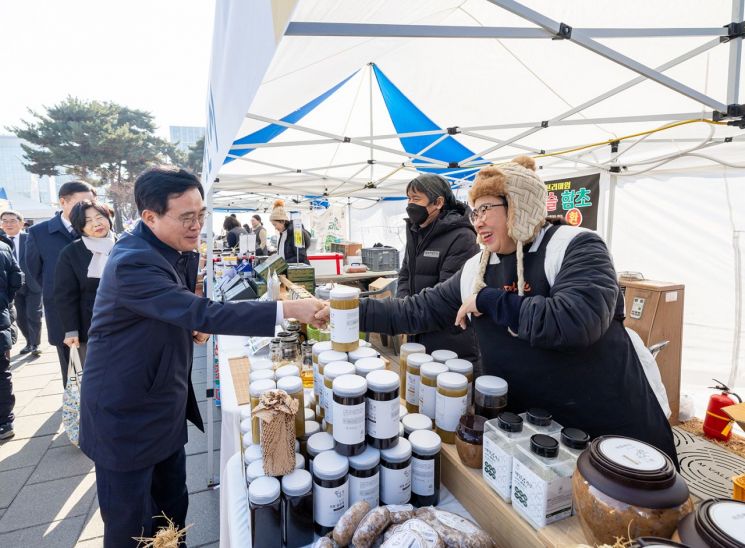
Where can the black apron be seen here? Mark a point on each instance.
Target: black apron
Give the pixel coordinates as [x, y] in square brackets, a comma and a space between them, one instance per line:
[601, 389]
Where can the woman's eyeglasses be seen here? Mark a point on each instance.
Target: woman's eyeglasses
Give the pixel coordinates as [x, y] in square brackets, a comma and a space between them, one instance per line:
[479, 211]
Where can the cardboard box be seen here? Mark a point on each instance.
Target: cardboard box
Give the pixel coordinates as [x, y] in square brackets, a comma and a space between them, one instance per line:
[348, 249]
[326, 264]
[736, 413]
[382, 283]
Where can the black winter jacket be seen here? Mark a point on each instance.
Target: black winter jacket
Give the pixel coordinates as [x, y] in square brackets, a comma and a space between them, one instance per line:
[293, 254]
[433, 255]
[11, 280]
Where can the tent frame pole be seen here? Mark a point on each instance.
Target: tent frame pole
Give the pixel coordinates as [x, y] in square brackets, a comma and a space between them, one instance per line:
[208, 288]
[735, 57]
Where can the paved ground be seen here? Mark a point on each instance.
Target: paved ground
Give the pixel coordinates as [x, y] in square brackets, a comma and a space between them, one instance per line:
[47, 486]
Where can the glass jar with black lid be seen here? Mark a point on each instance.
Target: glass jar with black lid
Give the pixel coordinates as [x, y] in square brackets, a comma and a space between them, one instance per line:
[349, 414]
[382, 409]
[716, 522]
[364, 477]
[330, 490]
[297, 509]
[425, 468]
[266, 513]
[395, 473]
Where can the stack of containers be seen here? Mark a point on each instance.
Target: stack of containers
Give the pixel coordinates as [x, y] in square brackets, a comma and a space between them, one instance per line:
[414, 362]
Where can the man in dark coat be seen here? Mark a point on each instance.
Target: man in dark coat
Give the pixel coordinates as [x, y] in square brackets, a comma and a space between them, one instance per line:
[28, 298]
[439, 241]
[43, 246]
[11, 280]
[137, 392]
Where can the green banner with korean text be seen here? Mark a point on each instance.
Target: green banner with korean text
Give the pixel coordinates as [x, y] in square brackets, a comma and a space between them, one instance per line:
[576, 198]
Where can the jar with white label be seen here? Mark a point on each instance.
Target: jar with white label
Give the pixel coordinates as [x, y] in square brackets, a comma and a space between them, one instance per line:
[382, 409]
[345, 318]
[349, 414]
[541, 481]
[428, 387]
[317, 444]
[311, 428]
[415, 421]
[405, 351]
[265, 510]
[501, 435]
[256, 390]
[540, 421]
[395, 473]
[325, 358]
[294, 388]
[442, 356]
[413, 365]
[318, 348]
[363, 352]
[330, 491]
[464, 367]
[367, 365]
[364, 477]
[287, 371]
[450, 406]
[716, 522]
[425, 468]
[490, 396]
[330, 372]
[261, 375]
[297, 509]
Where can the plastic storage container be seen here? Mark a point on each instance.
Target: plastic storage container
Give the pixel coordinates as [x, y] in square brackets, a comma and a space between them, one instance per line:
[382, 409]
[452, 393]
[442, 356]
[362, 352]
[395, 473]
[413, 364]
[262, 375]
[364, 477]
[330, 491]
[311, 428]
[349, 414]
[364, 366]
[428, 387]
[415, 421]
[501, 435]
[319, 348]
[490, 396]
[330, 372]
[297, 509]
[255, 470]
[345, 318]
[266, 513]
[425, 468]
[294, 387]
[404, 352]
[256, 389]
[251, 454]
[325, 358]
[317, 444]
[540, 421]
[465, 368]
[380, 259]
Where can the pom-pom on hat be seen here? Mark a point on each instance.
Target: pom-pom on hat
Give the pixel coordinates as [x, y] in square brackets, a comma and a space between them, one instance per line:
[279, 213]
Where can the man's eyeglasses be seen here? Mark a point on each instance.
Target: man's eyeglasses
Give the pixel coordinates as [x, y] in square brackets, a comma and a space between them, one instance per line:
[479, 211]
[188, 220]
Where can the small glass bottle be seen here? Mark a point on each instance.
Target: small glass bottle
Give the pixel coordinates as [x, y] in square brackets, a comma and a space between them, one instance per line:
[317, 444]
[364, 477]
[330, 372]
[464, 367]
[382, 409]
[406, 350]
[307, 371]
[452, 394]
[318, 380]
[428, 387]
[256, 389]
[266, 512]
[325, 358]
[425, 468]
[289, 346]
[294, 388]
[413, 364]
[287, 371]
[540, 421]
[442, 356]
[573, 443]
[311, 427]
[501, 435]
[364, 366]
[490, 397]
[395, 473]
[415, 421]
[345, 318]
[275, 351]
[297, 509]
[363, 352]
[349, 414]
[330, 491]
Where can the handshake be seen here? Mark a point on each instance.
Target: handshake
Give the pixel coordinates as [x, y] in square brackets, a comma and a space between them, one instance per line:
[311, 311]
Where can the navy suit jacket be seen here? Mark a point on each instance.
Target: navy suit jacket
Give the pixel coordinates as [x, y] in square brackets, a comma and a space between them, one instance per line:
[137, 392]
[42, 249]
[26, 289]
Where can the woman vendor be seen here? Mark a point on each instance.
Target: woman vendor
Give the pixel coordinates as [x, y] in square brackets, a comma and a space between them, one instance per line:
[547, 309]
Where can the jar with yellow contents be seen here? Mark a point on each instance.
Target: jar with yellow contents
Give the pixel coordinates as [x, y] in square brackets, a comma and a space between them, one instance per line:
[406, 350]
[325, 358]
[256, 389]
[414, 362]
[450, 406]
[294, 387]
[345, 318]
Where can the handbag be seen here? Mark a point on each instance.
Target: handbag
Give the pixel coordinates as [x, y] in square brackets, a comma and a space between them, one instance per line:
[71, 397]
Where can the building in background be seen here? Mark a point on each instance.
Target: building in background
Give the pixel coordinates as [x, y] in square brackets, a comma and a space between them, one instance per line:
[185, 136]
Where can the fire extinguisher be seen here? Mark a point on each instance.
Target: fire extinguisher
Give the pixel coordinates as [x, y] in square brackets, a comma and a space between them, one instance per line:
[718, 425]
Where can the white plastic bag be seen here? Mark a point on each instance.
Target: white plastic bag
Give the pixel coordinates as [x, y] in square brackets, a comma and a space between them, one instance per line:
[651, 371]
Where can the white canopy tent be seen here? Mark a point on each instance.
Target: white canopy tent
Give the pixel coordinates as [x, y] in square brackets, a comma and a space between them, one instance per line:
[562, 81]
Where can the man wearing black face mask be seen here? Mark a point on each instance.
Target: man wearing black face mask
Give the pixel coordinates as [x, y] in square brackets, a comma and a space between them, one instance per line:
[439, 240]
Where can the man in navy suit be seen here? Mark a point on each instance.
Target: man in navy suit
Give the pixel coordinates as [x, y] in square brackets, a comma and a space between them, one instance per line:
[28, 298]
[137, 392]
[43, 246]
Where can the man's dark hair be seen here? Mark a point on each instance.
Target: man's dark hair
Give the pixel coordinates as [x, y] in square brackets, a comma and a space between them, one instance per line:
[73, 187]
[230, 223]
[156, 185]
[434, 186]
[16, 214]
[77, 215]
[258, 218]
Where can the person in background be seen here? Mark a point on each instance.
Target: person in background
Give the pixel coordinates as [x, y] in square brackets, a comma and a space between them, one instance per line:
[79, 271]
[11, 280]
[27, 300]
[439, 241]
[286, 245]
[137, 393]
[233, 231]
[257, 227]
[43, 246]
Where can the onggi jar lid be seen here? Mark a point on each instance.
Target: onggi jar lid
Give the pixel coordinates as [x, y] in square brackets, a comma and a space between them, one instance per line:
[261, 364]
[291, 385]
[655, 542]
[412, 348]
[432, 369]
[444, 355]
[464, 367]
[418, 359]
[263, 490]
[342, 292]
[452, 381]
[311, 427]
[287, 371]
[330, 465]
[365, 366]
[257, 388]
[510, 422]
[299, 461]
[337, 369]
[296, 483]
[490, 385]
[252, 453]
[349, 386]
[425, 442]
[416, 421]
[320, 442]
[330, 356]
[382, 380]
[255, 470]
[544, 446]
[575, 438]
[369, 458]
[400, 452]
[262, 375]
[321, 347]
[539, 417]
[363, 352]
[721, 522]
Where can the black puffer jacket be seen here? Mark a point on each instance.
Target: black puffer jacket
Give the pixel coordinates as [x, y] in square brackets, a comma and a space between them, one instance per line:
[11, 280]
[433, 255]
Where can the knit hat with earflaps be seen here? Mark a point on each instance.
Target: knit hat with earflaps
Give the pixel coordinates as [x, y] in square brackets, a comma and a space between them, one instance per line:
[525, 195]
[279, 213]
